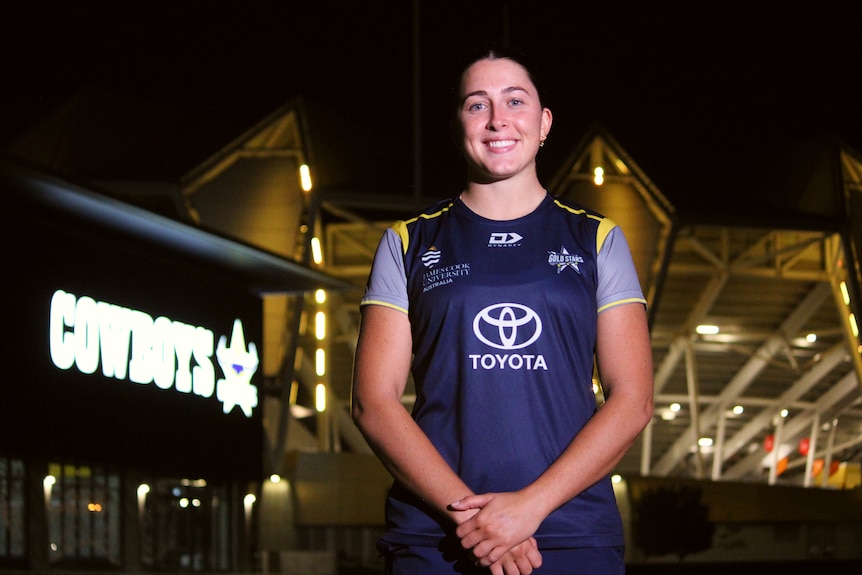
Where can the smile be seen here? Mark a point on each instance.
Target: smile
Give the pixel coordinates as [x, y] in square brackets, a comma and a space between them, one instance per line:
[501, 143]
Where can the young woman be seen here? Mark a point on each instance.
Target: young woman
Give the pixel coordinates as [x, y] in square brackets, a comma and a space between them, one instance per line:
[499, 301]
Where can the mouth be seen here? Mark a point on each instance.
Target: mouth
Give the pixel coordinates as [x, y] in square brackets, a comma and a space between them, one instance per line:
[500, 143]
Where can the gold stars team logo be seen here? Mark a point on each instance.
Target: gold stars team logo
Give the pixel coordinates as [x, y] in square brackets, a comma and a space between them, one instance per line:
[563, 259]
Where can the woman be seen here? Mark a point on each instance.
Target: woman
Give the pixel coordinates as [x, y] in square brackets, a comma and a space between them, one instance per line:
[499, 300]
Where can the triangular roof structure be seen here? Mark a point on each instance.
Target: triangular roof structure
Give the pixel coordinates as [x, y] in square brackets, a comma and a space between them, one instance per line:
[776, 289]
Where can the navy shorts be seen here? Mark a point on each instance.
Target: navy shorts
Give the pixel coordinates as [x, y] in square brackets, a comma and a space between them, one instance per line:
[450, 558]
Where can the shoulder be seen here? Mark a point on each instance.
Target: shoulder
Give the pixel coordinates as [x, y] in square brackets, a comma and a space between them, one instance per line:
[433, 214]
[602, 224]
[575, 209]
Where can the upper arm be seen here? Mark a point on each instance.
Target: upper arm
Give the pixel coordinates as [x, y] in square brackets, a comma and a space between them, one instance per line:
[383, 357]
[624, 353]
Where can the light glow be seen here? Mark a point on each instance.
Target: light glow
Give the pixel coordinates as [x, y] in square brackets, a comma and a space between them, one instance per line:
[738, 409]
[305, 177]
[320, 397]
[706, 329]
[275, 478]
[811, 337]
[853, 326]
[705, 442]
[599, 175]
[845, 293]
[316, 250]
[320, 325]
[675, 407]
[320, 296]
[320, 362]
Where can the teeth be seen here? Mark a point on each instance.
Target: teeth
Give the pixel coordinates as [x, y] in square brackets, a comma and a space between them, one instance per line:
[501, 143]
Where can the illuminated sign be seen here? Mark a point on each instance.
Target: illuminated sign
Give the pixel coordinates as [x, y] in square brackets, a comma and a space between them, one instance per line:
[131, 344]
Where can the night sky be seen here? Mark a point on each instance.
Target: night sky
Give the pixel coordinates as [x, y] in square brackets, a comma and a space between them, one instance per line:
[673, 85]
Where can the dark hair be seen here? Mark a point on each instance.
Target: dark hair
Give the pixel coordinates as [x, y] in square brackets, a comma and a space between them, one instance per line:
[489, 51]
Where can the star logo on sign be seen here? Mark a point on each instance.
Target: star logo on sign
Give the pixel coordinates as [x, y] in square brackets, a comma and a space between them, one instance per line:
[563, 259]
[238, 366]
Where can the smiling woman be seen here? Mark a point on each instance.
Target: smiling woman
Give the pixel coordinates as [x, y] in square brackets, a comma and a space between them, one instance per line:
[504, 462]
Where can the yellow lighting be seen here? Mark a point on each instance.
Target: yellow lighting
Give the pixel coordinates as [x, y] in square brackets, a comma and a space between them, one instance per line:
[274, 478]
[845, 293]
[617, 478]
[49, 481]
[784, 413]
[853, 326]
[599, 175]
[320, 397]
[316, 250]
[249, 499]
[305, 177]
[320, 362]
[675, 407]
[738, 409]
[705, 329]
[320, 325]
[705, 442]
[320, 296]
[143, 489]
[811, 337]
[94, 507]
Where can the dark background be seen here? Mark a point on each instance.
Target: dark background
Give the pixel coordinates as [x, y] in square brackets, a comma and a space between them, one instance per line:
[684, 87]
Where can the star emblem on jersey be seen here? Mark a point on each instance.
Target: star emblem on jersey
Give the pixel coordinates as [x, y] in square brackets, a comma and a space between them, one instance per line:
[563, 259]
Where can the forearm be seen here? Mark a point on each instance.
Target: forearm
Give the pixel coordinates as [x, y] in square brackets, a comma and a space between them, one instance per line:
[593, 453]
[411, 458]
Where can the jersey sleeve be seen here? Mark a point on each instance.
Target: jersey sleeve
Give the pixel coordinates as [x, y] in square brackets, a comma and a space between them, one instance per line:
[387, 282]
[618, 279]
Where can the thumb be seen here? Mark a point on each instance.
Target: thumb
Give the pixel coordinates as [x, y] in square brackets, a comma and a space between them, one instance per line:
[471, 502]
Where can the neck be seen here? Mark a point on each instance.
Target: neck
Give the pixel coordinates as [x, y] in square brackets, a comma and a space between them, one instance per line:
[505, 200]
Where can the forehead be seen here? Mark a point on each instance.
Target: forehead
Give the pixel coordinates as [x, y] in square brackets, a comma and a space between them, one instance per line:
[493, 75]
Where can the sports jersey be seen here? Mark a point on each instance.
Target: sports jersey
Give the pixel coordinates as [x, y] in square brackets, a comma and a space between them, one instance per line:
[503, 317]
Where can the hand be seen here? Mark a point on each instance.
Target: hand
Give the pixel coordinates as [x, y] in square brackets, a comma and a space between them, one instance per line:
[520, 560]
[504, 520]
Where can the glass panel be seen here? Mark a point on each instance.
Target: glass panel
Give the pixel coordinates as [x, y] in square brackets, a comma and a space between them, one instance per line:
[188, 526]
[83, 510]
[12, 510]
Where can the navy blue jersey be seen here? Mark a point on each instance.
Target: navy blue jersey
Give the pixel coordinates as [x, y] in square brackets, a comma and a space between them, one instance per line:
[503, 317]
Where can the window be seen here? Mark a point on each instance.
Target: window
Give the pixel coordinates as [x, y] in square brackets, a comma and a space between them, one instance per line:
[83, 509]
[186, 525]
[12, 512]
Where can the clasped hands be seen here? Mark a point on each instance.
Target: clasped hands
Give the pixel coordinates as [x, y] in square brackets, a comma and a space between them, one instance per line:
[500, 534]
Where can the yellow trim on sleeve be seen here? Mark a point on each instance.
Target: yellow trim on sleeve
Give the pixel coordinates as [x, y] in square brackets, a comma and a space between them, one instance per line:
[622, 301]
[400, 227]
[384, 304]
[605, 227]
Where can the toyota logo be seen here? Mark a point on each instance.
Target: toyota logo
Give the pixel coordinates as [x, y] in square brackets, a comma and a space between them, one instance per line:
[507, 326]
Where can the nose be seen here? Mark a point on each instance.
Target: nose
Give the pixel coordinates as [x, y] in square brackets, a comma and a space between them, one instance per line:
[496, 120]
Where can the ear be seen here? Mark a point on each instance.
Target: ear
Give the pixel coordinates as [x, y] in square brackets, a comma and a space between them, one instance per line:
[547, 120]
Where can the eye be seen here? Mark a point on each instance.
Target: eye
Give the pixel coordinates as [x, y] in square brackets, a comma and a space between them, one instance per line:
[516, 102]
[476, 106]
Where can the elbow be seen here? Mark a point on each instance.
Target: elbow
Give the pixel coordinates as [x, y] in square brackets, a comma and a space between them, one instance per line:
[646, 412]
